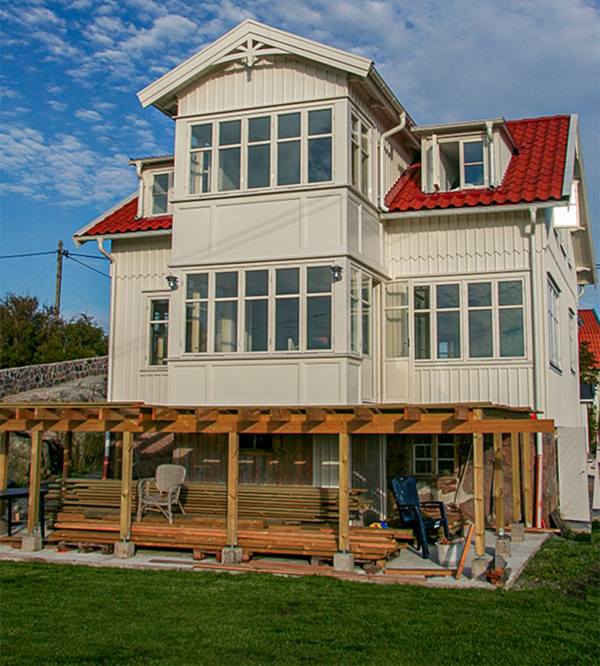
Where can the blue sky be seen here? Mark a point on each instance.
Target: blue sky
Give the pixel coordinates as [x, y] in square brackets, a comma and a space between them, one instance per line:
[70, 118]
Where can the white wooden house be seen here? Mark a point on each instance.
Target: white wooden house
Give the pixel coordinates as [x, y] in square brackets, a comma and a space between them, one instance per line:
[308, 245]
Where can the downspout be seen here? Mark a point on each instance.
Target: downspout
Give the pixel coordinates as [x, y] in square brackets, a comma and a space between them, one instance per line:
[382, 140]
[537, 360]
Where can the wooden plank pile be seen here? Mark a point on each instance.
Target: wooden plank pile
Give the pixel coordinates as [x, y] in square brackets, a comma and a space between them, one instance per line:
[287, 503]
[253, 536]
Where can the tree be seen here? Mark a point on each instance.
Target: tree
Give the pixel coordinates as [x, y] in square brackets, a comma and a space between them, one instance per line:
[589, 373]
[32, 334]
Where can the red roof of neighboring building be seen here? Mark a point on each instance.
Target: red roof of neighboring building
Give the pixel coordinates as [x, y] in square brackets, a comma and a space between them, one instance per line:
[589, 332]
[125, 220]
[535, 173]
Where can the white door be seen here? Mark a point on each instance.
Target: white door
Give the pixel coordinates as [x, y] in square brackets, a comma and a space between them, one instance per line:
[396, 343]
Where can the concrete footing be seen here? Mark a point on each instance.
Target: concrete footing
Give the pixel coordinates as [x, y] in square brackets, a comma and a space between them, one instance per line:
[232, 555]
[31, 543]
[503, 547]
[479, 567]
[343, 561]
[124, 550]
[517, 532]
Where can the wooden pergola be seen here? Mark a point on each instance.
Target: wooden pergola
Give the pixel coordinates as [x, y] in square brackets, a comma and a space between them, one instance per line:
[130, 418]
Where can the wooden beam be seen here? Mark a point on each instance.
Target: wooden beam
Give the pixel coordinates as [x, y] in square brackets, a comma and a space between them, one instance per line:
[465, 552]
[316, 415]
[249, 415]
[4, 446]
[498, 483]
[478, 488]
[344, 491]
[516, 476]
[461, 413]
[206, 415]
[67, 454]
[280, 415]
[232, 488]
[33, 516]
[527, 485]
[363, 414]
[126, 483]
[412, 414]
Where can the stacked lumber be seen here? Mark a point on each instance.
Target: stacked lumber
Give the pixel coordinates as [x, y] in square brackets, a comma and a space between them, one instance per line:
[253, 536]
[288, 503]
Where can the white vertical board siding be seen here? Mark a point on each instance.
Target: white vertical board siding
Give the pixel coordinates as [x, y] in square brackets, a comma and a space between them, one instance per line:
[278, 80]
[454, 244]
[140, 269]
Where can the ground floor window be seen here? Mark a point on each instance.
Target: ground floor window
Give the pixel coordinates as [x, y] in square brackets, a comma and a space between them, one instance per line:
[433, 454]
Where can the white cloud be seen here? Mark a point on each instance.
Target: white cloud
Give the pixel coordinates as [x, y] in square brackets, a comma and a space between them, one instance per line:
[88, 115]
[59, 107]
[66, 170]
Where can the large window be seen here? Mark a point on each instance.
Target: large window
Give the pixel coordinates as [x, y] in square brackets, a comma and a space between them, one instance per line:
[159, 329]
[272, 150]
[264, 310]
[553, 323]
[493, 320]
[361, 312]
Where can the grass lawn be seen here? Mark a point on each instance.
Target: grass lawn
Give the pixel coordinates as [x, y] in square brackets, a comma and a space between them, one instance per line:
[62, 614]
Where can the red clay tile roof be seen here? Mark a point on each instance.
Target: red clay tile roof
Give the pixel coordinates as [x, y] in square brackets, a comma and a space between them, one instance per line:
[123, 220]
[534, 174]
[590, 332]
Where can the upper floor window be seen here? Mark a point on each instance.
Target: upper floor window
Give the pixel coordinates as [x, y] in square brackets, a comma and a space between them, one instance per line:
[461, 164]
[159, 192]
[273, 150]
[359, 141]
[572, 341]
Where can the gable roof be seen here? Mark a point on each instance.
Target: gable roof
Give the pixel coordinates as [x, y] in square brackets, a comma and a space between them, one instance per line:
[589, 332]
[535, 173]
[248, 41]
[122, 219]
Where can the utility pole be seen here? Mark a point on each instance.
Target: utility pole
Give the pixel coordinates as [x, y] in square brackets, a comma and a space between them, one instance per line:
[59, 260]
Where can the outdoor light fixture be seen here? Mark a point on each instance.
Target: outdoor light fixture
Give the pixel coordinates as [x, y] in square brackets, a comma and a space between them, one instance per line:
[172, 281]
[336, 272]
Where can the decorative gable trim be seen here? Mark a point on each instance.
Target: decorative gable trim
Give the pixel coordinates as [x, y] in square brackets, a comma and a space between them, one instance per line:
[247, 42]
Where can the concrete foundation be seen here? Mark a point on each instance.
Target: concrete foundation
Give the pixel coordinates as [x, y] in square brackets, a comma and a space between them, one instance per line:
[343, 561]
[124, 550]
[479, 567]
[232, 556]
[517, 532]
[503, 547]
[31, 543]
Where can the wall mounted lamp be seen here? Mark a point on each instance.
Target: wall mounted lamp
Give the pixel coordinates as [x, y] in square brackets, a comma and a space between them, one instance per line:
[173, 282]
[336, 272]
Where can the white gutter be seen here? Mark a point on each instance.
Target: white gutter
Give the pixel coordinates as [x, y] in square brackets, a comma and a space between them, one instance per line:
[465, 210]
[111, 321]
[537, 361]
[382, 140]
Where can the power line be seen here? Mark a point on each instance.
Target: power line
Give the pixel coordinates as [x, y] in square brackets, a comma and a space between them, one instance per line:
[28, 254]
[86, 266]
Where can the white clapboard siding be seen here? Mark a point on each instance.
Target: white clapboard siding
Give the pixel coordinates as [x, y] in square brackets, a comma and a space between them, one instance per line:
[141, 269]
[452, 244]
[276, 80]
[572, 474]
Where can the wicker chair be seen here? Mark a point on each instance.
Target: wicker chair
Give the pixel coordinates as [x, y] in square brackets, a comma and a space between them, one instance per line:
[162, 492]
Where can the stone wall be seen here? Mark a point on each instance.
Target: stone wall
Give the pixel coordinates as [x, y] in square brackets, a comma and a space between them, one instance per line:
[19, 380]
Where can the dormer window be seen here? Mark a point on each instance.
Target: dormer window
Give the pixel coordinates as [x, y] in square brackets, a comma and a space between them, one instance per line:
[462, 164]
[161, 186]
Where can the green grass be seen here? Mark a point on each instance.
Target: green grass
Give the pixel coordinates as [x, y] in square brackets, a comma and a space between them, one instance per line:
[62, 614]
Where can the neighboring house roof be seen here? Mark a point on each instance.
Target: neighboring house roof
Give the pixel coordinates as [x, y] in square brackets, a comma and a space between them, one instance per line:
[535, 173]
[121, 219]
[589, 332]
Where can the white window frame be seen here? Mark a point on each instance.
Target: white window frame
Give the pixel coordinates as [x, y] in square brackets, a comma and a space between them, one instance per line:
[303, 297]
[151, 324]
[461, 141]
[360, 154]
[554, 354]
[572, 343]
[213, 150]
[149, 178]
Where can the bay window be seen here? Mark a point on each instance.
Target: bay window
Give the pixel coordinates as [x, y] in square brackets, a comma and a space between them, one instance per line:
[287, 309]
[318, 307]
[448, 320]
[359, 142]
[161, 188]
[196, 313]
[256, 319]
[226, 311]
[396, 320]
[279, 149]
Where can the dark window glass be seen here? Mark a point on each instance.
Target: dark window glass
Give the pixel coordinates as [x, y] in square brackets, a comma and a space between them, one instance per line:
[480, 334]
[318, 324]
[256, 325]
[319, 279]
[421, 298]
[448, 296]
[319, 122]
[319, 160]
[288, 163]
[197, 286]
[287, 281]
[422, 336]
[196, 326]
[230, 132]
[288, 125]
[259, 165]
[259, 129]
[257, 283]
[480, 294]
[287, 324]
[202, 136]
[229, 169]
[448, 325]
[512, 340]
[510, 293]
[160, 190]
[226, 285]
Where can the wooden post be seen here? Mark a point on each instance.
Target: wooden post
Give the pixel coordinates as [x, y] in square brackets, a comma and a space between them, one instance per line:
[344, 492]
[118, 455]
[34, 481]
[478, 488]
[67, 453]
[4, 444]
[232, 488]
[126, 482]
[526, 462]
[516, 476]
[498, 483]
